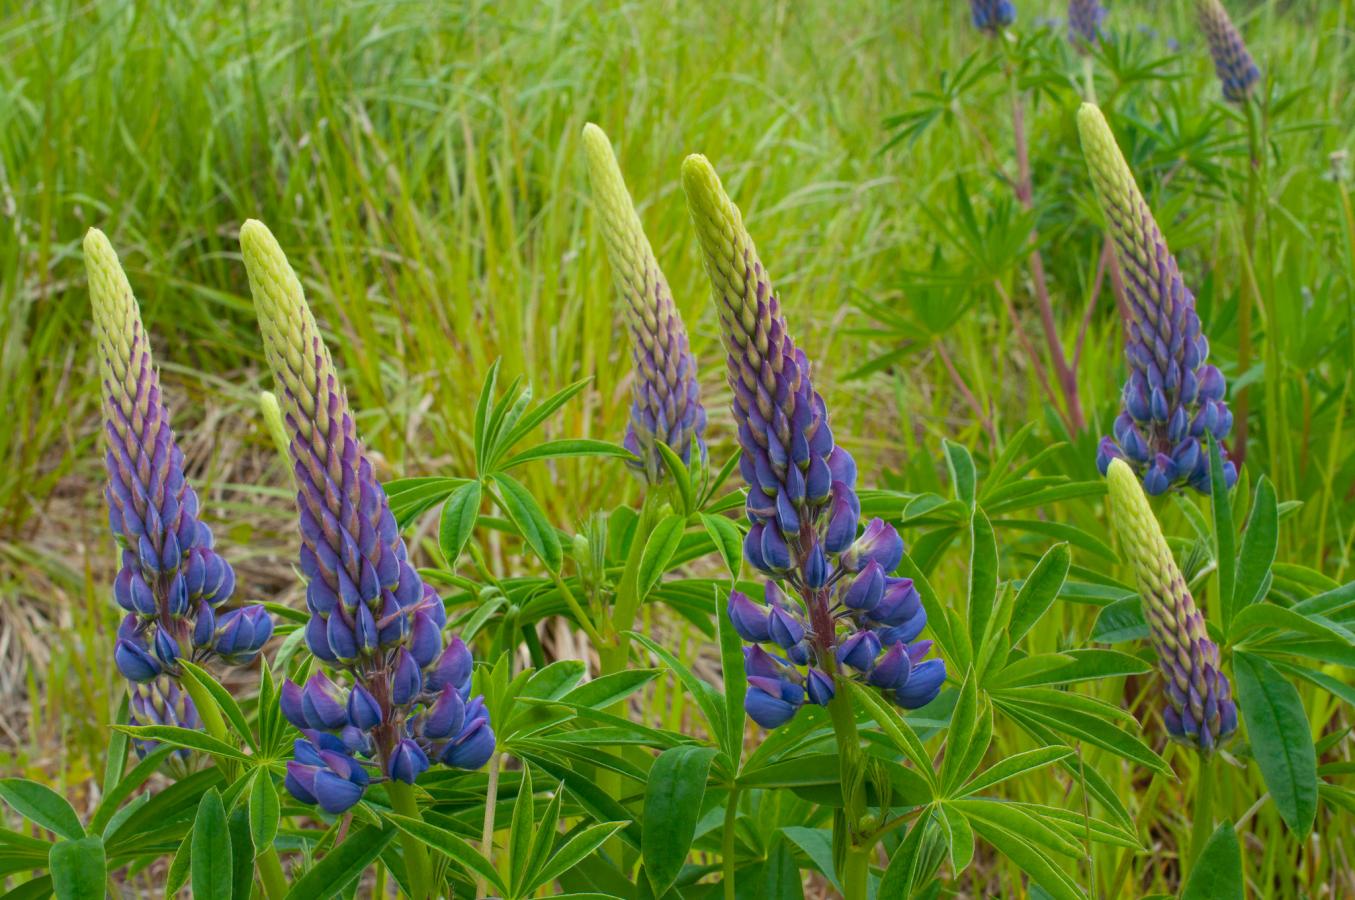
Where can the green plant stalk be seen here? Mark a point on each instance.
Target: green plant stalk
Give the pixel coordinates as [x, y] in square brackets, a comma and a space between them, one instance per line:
[269, 865]
[487, 835]
[855, 874]
[727, 841]
[416, 857]
[1202, 822]
[1249, 292]
[614, 652]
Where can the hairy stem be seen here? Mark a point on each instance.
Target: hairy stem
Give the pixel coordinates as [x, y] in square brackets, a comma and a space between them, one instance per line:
[1202, 824]
[855, 874]
[727, 843]
[417, 870]
[487, 834]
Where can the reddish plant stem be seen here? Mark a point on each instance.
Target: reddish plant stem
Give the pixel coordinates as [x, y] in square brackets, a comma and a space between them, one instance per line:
[1066, 376]
[984, 419]
[1026, 345]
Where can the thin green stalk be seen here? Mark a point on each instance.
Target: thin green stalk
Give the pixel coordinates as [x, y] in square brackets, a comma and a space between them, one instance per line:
[417, 869]
[487, 835]
[727, 843]
[855, 874]
[1202, 824]
[272, 877]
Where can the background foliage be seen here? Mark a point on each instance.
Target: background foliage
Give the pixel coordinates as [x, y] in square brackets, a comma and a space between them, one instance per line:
[421, 163]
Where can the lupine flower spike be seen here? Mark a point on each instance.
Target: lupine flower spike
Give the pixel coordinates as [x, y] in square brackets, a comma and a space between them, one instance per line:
[1084, 23]
[403, 698]
[1236, 69]
[665, 398]
[172, 584]
[1200, 709]
[843, 612]
[992, 15]
[1173, 398]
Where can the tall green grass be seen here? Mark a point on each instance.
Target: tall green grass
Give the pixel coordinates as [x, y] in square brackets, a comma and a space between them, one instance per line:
[420, 161]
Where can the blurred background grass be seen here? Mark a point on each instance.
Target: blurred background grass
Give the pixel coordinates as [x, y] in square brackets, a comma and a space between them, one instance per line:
[420, 163]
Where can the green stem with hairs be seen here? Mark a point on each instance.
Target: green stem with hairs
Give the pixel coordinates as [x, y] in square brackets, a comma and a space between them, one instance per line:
[1202, 824]
[855, 874]
[417, 870]
[727, 844]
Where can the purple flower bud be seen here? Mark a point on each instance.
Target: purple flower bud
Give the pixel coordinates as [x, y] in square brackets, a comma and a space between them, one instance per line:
[362, 709]
[446, 716]
[406, 681]
[893, 669]
[867, 589]
[453, 667]
[819, 687]
[322, 703]
[749, 619]
[758, 662]
[880, 542]
[924, 683]
[784, 628]
[407, 762]
[293, 707]
[166, 648]
[992, 15]
[425, 642]
[859, 651]
[899, 604]
[772, 702]
[241, 633]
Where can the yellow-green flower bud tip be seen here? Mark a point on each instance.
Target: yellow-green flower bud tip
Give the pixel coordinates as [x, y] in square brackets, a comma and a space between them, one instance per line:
[117, 319]
[292, 344]
[272, 420]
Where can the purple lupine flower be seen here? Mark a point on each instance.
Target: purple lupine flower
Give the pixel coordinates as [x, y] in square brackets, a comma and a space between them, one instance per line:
[847, 609]
[1200, 709]
[1236, 69]
[172, 584]
[373, 618]
[1174, 398]
[665, 397]
[992, 15]
[1084, 23]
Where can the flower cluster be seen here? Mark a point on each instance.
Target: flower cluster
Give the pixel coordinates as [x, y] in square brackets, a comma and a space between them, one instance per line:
[802, 503]
[992, 15]
[1200, 710]
[1174, 398]
[1236, 69]
[1084, 22]
[371, 615]
[172, 584]
[665, 398]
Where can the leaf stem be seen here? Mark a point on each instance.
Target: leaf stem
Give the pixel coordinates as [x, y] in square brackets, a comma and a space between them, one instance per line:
[487, 834]
[855, 874]
[417, 870]
[727, 844]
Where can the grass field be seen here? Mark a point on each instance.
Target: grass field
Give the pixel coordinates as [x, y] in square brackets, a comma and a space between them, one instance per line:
[421, 163]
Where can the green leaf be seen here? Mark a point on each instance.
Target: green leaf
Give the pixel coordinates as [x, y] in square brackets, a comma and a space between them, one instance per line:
[1258, 551]
[177, 875]
[681, 475]
[224, 701]
[1120, 621]
[1012, 766]
[543, 411]
[659, 549]
[483, 409]
[1225, 552]
[42, 806]
[109, 803]
[728, 541]
[1218, 872]
[673, 797]
[959, 838]
[566, 447]
[211, 850]
[735, 681]
[982, 579]
[185, 737]
[341, 865]
[531, 521]
[603, 692]
[457, 522]
[896, 727]
[520, 834]
[902, 873]
[964, 723]
[1029, 858]
[451, 845]
[78, 868]
[962, 474]
[264, 809]
[117, 750]
[242, 853]
[1039, 591]
[1280, 740]
[705, 696]
[575, 850]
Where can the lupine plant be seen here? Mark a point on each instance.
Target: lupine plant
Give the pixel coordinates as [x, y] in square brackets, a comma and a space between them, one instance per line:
[828, 630]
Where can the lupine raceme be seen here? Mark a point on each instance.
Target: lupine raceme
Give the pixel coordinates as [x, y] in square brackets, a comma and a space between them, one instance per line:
[172, 583]
[1200, 709]
[1084, 22]
[831, 604]
[992, 15]
[665, 398]
[402, 698]
[1236, 69]
[1174, 398]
